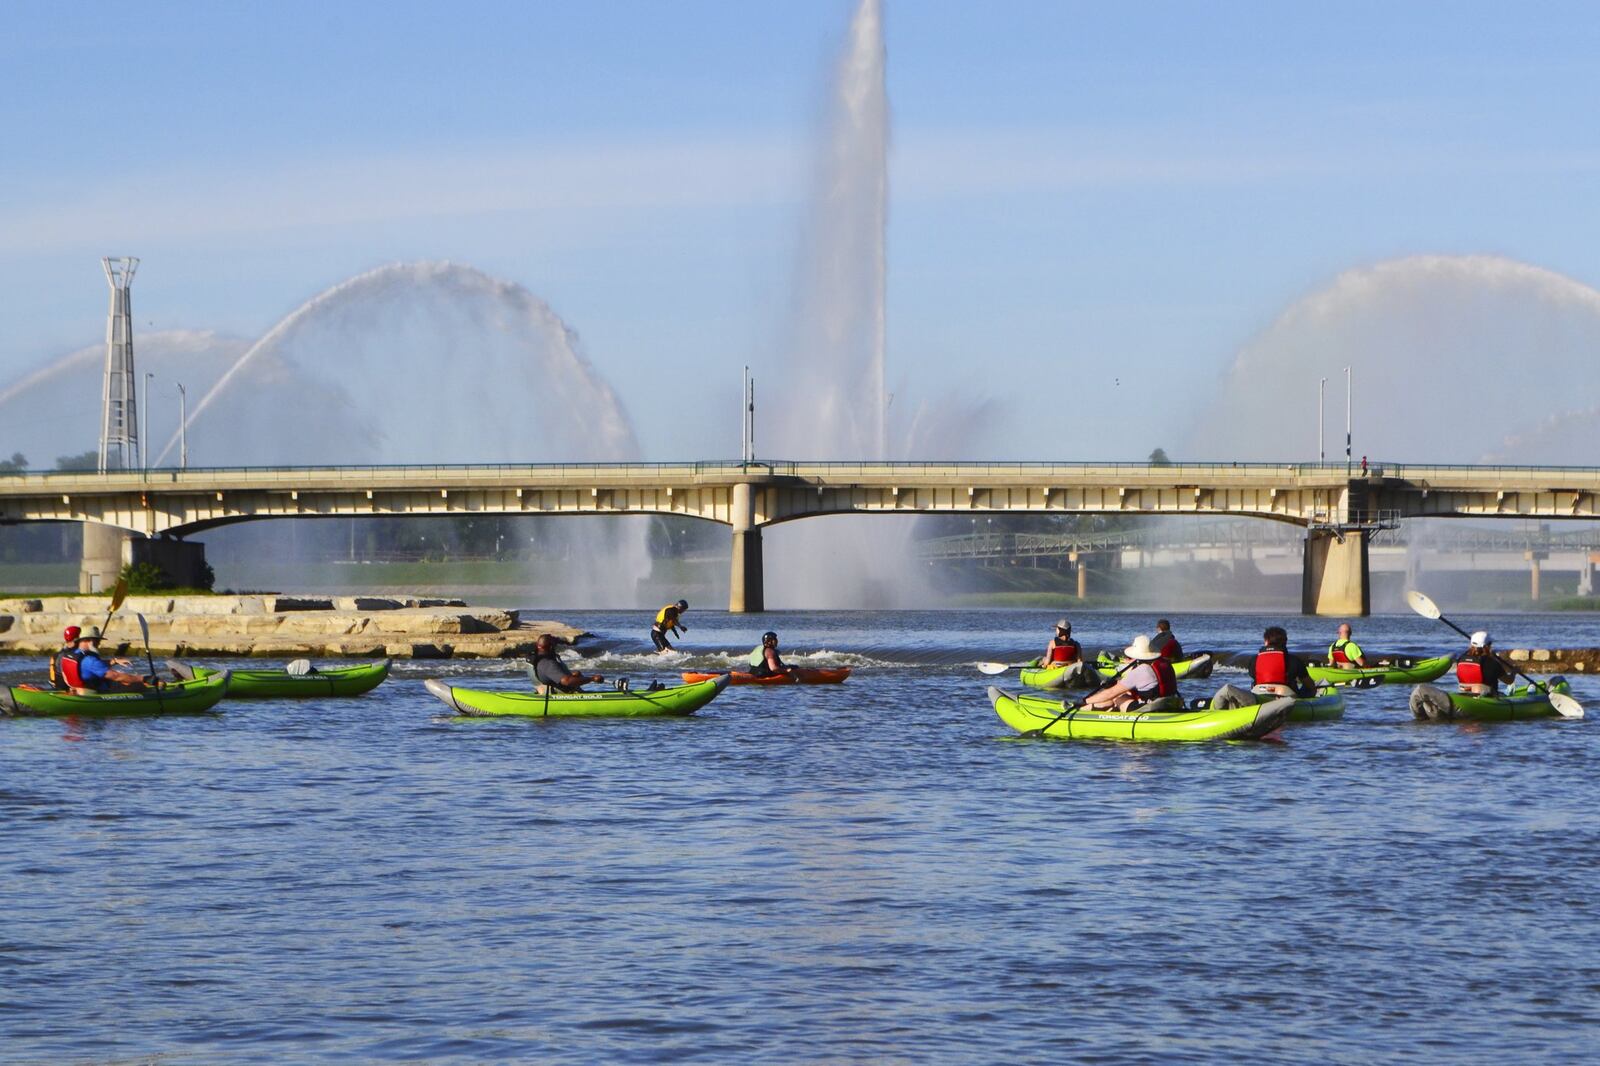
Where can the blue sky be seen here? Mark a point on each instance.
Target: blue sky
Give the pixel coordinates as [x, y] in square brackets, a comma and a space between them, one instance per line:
[1076, 189]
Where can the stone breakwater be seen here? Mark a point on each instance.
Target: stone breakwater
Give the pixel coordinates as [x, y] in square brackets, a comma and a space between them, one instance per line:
[280, 627]
[1556, 660]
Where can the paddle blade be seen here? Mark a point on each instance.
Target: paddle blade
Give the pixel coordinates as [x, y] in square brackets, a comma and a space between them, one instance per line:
[992, 668]
[1565, 705]
[298, 668]
[144, 628]
[1422, 605]
[119, 593]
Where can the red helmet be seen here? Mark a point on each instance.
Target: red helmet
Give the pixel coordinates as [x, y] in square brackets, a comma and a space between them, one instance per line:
[70, 634]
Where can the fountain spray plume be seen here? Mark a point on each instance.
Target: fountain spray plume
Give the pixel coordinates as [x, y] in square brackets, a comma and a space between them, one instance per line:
[427, 363]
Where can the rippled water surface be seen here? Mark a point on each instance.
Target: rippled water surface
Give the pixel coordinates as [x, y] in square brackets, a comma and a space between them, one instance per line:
[871, 871]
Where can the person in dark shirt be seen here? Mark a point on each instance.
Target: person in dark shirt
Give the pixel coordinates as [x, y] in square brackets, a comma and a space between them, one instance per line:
[1164, 642]
[550, 671]
[1278, 670]
[1479, 670]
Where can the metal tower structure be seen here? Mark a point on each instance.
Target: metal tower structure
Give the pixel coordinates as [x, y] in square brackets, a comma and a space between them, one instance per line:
[119, 409]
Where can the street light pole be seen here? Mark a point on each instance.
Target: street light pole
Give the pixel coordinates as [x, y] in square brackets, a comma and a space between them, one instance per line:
[1322, 410]
[183, 428]
[144, 427]
[1348, 393]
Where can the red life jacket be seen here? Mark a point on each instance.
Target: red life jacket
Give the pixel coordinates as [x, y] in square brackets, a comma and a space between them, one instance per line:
[1469, 672]
[1174, 650]
[1336, 653]
[1166, 681]
[1271, 667]
[69, 668]
[1065, 653]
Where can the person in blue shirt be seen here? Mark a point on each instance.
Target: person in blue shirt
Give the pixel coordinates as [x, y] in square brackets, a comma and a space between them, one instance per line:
[95, 673]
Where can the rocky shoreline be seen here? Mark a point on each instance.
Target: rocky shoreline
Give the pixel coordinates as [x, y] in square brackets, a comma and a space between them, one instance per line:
[272, 626]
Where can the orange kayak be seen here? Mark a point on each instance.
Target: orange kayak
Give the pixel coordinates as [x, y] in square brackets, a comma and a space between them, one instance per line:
[804, 675]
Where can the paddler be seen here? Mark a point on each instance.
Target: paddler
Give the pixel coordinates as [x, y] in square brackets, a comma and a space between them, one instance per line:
[1164, 643]
[84, 670]
[551, 673]
[1278, 670]
[668, 621]
[1479, 671]
[69, 638]
[1063, 650]
[1151, 679]
[1344, 652]
[764, 660]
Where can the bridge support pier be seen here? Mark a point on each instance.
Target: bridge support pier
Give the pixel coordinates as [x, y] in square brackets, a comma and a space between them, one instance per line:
[102, 557]
[1534, 558]
[107, 549]
[746, 591]
[1335, 579]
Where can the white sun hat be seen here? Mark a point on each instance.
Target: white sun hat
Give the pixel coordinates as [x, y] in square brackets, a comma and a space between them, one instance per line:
[1482, 639]
[1140, 649]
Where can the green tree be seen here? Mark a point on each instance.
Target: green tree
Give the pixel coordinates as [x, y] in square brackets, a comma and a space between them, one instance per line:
[14, 465]
[89, 460]
[145, 577]
[1159, 458]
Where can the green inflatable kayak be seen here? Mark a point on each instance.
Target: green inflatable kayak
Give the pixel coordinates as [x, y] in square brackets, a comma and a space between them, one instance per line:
[1105, 666]
[1042, 716]
[280, 684]
[1198, 665]
[177, 697]
[601, 703]
[1035, 676]
[1391, 673]
[1432, 704]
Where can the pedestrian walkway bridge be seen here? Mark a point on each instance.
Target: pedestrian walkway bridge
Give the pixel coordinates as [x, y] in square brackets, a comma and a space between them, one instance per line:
[1338, 508]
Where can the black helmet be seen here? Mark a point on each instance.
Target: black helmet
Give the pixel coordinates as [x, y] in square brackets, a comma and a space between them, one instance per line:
[683, 605]
[769, 635]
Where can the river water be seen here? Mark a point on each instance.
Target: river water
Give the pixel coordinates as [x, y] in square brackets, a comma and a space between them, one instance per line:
[875, 871]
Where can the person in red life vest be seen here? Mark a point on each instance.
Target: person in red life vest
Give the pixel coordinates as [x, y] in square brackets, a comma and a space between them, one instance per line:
[69, 638]
[1480, 671]
[1345, 652]
[1164, 642]
[1278, 670]
[85, 671]
[1062, 649]
[1148, 678]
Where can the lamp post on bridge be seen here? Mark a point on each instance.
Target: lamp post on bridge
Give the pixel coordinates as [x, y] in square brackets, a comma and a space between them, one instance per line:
[1322, 410]
[1348, 393]
[183, 427]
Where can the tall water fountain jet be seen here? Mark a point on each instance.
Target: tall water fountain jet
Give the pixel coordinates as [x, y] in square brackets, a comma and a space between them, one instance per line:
[836, 348]
[1458, 359]
[833, 400]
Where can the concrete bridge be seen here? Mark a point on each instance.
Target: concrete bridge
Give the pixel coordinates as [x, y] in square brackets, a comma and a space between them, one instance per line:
[1338, 512]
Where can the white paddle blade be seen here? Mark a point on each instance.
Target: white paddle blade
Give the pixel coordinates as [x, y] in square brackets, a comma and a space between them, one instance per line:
[144, 628]
[992, 668]
[298, 668]
[1565, 705]
[1422, 605]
